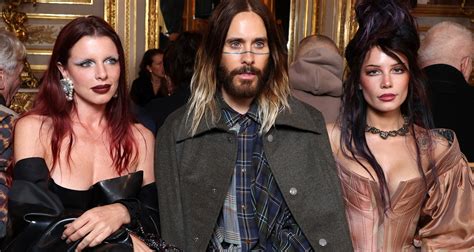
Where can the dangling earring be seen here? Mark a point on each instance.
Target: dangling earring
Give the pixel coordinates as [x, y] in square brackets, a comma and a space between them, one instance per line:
[68, 87]
[360, 87]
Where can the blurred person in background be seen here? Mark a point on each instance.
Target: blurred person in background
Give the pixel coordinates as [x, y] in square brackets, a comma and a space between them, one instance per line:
[151, 81]
[446, 54]
[179, 60]
[316, 75]
[12, 57]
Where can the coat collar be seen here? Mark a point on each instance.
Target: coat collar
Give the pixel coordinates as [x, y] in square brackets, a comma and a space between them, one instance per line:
[298, 117]
[301, 117]
[445, 73]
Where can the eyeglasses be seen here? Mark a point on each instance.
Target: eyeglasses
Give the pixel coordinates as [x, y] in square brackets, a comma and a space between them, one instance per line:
[238, 53]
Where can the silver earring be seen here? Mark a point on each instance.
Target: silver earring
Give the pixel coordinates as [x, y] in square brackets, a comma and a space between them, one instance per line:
[68, 87]
[115, 95]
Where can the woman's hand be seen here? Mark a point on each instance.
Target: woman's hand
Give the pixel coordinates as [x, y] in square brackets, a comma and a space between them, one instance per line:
[96, 224]
[138, 245]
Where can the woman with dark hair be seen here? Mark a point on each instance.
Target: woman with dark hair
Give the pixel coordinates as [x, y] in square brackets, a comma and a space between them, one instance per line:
[178, 62]
[151, 82]
[83, 174]
[404, 184]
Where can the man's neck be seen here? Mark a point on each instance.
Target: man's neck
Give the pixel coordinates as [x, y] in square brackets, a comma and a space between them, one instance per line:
[240, 105]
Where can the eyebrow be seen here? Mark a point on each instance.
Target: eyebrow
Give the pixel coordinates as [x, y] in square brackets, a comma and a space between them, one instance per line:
[373, 65]
[231, 39]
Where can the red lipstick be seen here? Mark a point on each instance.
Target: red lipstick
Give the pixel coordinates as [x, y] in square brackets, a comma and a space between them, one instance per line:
[101, 89]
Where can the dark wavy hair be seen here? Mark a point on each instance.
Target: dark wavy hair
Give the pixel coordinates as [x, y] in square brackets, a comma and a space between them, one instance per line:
[388, 25]
[147, 60]
[180, 56]
[51, 101]
[145, 76]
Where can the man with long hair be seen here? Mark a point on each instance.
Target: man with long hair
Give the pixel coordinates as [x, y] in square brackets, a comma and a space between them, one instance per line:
[243, 166]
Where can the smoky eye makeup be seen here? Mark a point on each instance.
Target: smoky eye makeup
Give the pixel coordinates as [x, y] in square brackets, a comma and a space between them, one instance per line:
[371, 71]
[85, 63]
[111, 60]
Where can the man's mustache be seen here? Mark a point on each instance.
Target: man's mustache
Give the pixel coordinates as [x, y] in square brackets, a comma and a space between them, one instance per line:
[246, 70]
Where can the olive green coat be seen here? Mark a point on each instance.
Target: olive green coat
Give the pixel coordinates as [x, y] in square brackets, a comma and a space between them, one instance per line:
[193, 175]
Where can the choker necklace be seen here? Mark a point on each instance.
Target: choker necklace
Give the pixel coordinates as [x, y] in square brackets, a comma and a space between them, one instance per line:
[392, 133]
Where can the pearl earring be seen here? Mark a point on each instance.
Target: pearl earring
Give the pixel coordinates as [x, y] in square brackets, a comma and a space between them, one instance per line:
[68, 87]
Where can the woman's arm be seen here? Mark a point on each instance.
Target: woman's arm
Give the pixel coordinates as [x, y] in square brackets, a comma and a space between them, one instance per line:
[146, 149]
[95, 225]
[334, 134]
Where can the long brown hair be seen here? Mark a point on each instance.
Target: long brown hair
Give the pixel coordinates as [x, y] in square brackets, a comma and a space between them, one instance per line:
[204, 84]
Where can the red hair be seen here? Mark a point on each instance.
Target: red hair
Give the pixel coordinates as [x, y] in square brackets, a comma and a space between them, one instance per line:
[51, 100]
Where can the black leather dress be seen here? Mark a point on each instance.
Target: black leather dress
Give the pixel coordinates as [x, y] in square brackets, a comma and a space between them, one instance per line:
[39, 209]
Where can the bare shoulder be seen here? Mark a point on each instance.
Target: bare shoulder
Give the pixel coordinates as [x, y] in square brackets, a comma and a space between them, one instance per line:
[31, 121]
[144, 139]
[142, 134]
[146, 147]
[33, 125]
[30, 136]
[442, 140]
[436, 141]
[334, 133]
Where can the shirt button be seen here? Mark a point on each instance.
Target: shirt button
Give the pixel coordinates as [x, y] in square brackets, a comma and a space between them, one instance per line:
[293, 191]
[323, 242]
[214, 190]
[270, 138]
[196, 239]
[243, 207]
[243, 170]
[229, 139]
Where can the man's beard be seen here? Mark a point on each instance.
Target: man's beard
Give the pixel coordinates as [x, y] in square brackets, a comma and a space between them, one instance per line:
[242, 88]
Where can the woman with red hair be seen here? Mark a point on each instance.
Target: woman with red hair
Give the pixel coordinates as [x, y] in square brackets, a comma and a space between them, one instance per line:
[78, 152]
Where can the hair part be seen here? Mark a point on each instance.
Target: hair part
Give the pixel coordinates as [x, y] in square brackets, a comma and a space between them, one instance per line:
[52, 104]
[204, 83]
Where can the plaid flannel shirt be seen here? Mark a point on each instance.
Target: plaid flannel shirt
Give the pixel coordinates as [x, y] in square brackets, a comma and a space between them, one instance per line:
[255, 215]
